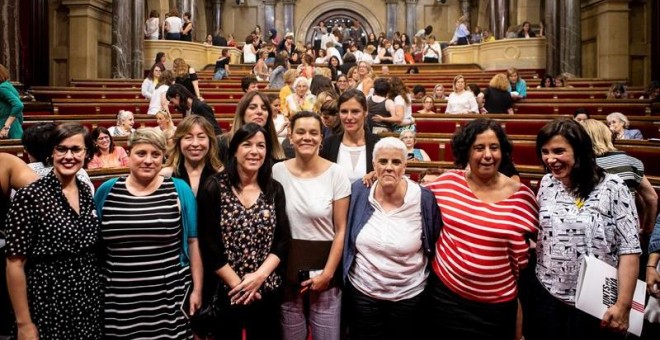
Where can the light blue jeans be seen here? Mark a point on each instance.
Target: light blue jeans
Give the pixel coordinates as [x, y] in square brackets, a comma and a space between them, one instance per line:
[323, 317]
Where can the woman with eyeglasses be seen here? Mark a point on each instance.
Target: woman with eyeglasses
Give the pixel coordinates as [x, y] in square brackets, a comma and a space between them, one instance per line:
[53, 236]
[106, 153]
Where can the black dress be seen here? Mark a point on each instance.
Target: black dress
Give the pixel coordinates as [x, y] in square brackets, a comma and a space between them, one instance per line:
[187, 82]
[62, 268]
[186, 37]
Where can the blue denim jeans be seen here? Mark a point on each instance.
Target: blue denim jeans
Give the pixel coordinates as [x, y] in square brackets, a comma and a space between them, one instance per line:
[320, 311]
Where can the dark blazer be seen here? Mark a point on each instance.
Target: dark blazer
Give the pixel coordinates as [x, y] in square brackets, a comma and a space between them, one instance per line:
[330, 150]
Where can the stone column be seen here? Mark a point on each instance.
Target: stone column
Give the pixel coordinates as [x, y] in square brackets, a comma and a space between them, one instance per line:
[391, 17]
[655, 36]
[289, 6]
[499, 17]
[411, 17]
[552, 37]
[570, 50]
[217, 15]
[186, 6]
[9, 38]
[121, 39]
[465, 9]
[137, 71]
[269, 16]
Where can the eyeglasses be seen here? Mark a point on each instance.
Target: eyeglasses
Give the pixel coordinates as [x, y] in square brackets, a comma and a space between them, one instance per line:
[61, 150]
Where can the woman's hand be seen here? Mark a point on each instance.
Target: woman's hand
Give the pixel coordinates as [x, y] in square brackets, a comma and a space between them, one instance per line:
[653, 282]
[4, 133]
[195, 302]
[247, 290]
[318, 283]
[369, 179]
[616, 318]
[377, 118]
[28, 331]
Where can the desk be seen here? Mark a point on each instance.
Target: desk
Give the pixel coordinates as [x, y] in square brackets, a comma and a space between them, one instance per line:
[500, 54]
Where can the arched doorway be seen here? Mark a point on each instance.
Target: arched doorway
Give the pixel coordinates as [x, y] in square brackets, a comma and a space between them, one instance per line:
[351, 10]
[340, 18]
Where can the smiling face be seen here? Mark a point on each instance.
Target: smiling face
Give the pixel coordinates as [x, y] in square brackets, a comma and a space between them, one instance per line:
[128, 122]
[306, 136]
[485, 155]
[342, 83]
[334, 61]
[251, 153]
[195, 144]
[558, 156]
[351, 115]
[162, 121]
[69, 156]
[301, 88]
[145, 161]
[362, 70]
[390, 166]
[103, 142]
[157, 72]
[256, 112]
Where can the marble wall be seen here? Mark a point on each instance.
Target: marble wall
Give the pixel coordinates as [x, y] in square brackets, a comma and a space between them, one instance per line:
[9, 37]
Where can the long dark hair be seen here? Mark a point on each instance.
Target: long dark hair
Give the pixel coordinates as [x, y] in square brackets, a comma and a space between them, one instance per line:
[178, 90]
[586, 174]
[264, 176]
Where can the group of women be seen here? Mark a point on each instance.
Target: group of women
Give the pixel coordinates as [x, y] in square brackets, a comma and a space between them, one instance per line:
[290, 246]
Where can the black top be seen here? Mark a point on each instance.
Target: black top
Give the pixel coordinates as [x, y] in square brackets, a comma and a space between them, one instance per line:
[521, 34]
[497, 101]
[219, 41]
[220, 64]
[345, 67]
[198, 107]
[330, 150]
[378, 108]
[187, 82]
[186, 37]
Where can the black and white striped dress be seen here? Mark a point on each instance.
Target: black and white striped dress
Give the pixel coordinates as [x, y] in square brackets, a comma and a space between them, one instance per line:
[145, 282]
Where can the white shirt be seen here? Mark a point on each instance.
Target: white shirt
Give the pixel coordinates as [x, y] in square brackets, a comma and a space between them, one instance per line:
[398, 57]
[353, 159]
[309, 201]
[249, 56]
[389, 261]
[148, 88]
[462, 103]
[334, 52]
[279, 121]
[155, 104]
[175, 24]
[430, 53]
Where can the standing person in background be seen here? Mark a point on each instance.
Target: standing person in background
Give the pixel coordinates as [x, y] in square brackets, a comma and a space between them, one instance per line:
[461, 34]
[526, 31]
[11, 108]
[318, 223]
[158, 100]
[187, 76]
[151, 81]
[432, 51]
[279, 119]
[152, 26]
[424, 32]
[160, 60]
[517, 86]
[53, 241]
[222, 66]
[187, 104]
[245, 235]
[187, 28]
[461, 100]
[400, 94]
[583, 211]
[280, 67]
[496, 96]
[173, 25]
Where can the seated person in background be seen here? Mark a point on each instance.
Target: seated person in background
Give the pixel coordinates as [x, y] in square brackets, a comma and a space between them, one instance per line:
[512, 32]
[231, 41]
[106, 153]
[619, 124]
[429, 175]
[517, 86]
[166, 125]
[412, 70]
[409, 138]
[496, 96]
[546, 81]
[476, 36]
[486, 36]
[461, 100]
[125, 122]
[208, 41]
[526, 31]
[428, 105]
[419, 91]
[439, 92]
[652, 91]
[618, 91]
[222, 66]
[150, 82]
[249, 83]
[580, 115]
[561, 80]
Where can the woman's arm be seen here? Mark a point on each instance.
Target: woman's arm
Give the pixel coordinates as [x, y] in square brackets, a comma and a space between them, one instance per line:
[396, 113]
[617, 316]
[367, 84]
[652, 275]
[425, 155]
[195, 83]
[17, 287]
[164, 103]
[197, 271]
[650, 198]
[188, 28]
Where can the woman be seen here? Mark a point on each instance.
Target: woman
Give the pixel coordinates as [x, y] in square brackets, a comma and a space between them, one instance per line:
[392, 229]
[306, 69]
[353, 148]
[547, 82]
[222, 66]
[53, 275]
[630, 169]
[245, 234]
[397, 53]
[341, 84]
[461, 34]
[124, 127]
[583, 211]
[409, 138]
[333, 65]
[254, 107]
[279, 119]
[428, 105]
[249, 50]
[158, 101]
[152, 25]
[106, 153]
[260, 69]
[439, 92]
[476, 36]
[487, 36]
[321, 59]
[462, 100]
[317, 233]
[526, 31]
[166, 125]
[329, 115]
[231, 41]
[517, 86]
[209, 40]
[619, 125]
[432, 51]
[618, 91]
[301, 99]
[496, 96]
[151, 253]
[280, 67]
[186, 103]
[287, 89]
[400, 94]
[186, 76]
[11, 108]
[365, 78]
[160, 60]
[186, 29]
[173, 25]
[480, 206]
[385, 52]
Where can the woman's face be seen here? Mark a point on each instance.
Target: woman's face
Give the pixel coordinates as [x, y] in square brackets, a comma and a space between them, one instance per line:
[103, 141]
[485, 155]
[195, 144]
[581, 117]
[209, 38]
[351, 115]
[439, 92]
[251, 153]
[334, 61]
[362, 70]
[547, 82]
[409, 140]
[256, 112]
[526, 27]
[157, 72]
[329, 120]
[558, 156]
[342, 83]
[352, 82]
[429, 104]
[163, 59]
[372, 36]
[513, 78]
[145, 161]
[69, 156]
[460, 85]
[306, 136]
[162, 121]
[615, 125]
[128, 122]
[390, 166]
[301, 88]
[275, 105]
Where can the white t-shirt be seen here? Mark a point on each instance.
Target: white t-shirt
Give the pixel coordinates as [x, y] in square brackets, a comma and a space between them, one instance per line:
[154, 103]
[407, 110]
[175, 24]
[309, 201]
[147, 88]
[279, 121]
[353, 159]
[430, 53]
[462, 103]
[249, 57]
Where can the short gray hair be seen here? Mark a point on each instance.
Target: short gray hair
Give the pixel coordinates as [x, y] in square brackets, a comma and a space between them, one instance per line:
[620, 116]
[403, 132]
[391, 143]
[122, 115]
[151, 136]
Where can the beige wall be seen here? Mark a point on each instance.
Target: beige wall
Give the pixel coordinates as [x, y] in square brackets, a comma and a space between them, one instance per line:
[605, 39]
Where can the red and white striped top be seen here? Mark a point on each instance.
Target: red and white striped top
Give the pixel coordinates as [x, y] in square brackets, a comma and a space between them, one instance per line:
[482, 246]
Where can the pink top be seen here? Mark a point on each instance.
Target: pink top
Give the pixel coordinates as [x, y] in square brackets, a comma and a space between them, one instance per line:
[118, 158]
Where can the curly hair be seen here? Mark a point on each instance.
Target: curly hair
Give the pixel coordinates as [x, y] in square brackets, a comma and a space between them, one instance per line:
[461, 142]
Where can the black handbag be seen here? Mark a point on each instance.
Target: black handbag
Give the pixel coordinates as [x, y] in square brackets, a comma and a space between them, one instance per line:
[206, 317]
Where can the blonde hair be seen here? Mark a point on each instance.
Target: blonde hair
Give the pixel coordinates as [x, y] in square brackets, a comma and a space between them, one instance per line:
[180, 68]
[152, 136]
[500, 82]
[601, 136]
[456, 79]
[290, 76]
[168, 116]
[175, 157]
